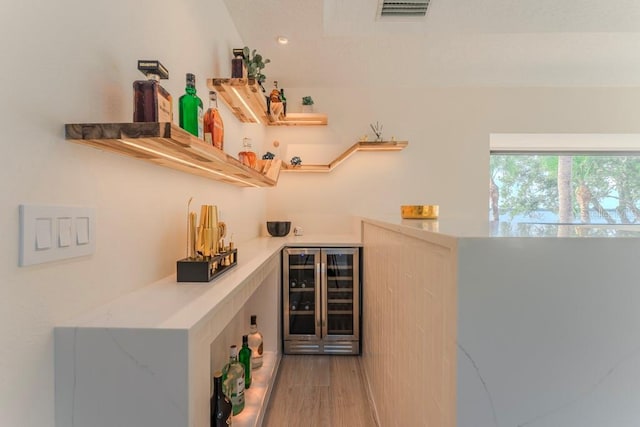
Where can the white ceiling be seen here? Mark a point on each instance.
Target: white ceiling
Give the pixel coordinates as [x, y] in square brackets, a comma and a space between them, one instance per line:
[459, 42]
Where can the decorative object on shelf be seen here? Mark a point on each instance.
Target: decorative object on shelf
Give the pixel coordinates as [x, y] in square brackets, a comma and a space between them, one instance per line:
[419, 211]
[191, 109]
[307, 104]
[377, 130]
[278, 228]
[247, 156]
[268, 156]
[255, 63]
[213, 126]
[238, 68]
[152, 102]
[207, 257]
[296, 161]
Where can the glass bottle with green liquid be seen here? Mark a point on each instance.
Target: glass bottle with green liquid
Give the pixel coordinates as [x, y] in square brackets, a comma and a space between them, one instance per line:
[191, 110]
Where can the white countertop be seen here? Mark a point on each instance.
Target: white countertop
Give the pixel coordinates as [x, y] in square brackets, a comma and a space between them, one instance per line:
[471, 229]
[167, 304]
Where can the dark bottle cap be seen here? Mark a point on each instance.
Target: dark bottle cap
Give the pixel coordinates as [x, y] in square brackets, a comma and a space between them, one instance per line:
[253, 319]
[245, 339]
[153, 67]
[191, 79]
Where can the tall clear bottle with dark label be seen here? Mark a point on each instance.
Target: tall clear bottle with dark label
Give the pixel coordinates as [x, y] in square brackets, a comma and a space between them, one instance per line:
[221, 408]
[233, 381]
[255, 344]
[191, 113]
[151, 102]
[245, 359]
[283, 99]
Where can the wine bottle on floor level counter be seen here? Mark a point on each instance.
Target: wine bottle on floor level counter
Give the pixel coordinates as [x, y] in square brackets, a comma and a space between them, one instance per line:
[191, 113]
[255, 344]
[245, 359]
[233, 381]
[221, 408]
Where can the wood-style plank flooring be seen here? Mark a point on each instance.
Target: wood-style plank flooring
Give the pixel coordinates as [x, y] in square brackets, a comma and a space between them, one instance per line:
[319, 391]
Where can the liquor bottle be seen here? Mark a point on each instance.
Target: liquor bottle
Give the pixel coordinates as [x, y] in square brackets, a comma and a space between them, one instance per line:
[212, 123]
[191, 109]
[233, 381]
[151, 102]
[221, 409]
[283, 99]
[255, 344]
[245, 358]
[238, 69]
[247, 156]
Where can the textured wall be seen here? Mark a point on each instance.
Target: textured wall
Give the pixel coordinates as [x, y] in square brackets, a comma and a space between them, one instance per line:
[409, 328]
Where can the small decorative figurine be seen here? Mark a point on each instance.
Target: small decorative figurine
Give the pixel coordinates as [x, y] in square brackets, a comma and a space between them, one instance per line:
[296, 161]
[268, 156]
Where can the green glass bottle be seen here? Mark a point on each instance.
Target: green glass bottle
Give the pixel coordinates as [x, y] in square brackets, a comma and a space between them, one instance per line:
[191, 110]
[245, 359]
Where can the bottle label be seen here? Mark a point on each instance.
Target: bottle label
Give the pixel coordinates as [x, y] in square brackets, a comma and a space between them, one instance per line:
[165, 113]
[260, 349]
[200, 123]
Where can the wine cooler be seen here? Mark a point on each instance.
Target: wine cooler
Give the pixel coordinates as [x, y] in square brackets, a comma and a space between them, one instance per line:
[321, 301]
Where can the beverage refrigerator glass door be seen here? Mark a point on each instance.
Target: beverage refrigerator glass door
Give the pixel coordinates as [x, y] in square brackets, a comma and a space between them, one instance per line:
[321, 300]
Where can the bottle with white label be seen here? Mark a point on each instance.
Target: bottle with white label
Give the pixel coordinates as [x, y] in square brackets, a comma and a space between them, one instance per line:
[233, 381]
[255, 344]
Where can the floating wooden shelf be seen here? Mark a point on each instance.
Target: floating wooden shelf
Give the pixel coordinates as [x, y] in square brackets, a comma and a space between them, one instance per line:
[168, 145]
[247, 102]
[358, 146]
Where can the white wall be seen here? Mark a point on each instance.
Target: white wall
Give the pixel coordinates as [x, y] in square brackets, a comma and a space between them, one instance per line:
[447, 159]
[74, 61]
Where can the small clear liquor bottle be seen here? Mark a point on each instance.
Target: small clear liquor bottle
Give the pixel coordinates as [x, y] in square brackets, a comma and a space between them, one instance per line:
[255, 344]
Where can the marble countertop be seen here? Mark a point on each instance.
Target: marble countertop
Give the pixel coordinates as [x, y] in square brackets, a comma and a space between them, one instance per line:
[472, 229]
[167, 304]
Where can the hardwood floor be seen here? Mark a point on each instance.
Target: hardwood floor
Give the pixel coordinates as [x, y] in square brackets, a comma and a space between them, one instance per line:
[319, 391]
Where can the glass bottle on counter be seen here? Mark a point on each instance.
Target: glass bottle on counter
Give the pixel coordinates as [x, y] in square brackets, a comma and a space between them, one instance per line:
[213, 127]
[152, 102]
[233, 381]
[245, 359]
[255, 344]
[247, 156]
[221, 409]
[191, 109]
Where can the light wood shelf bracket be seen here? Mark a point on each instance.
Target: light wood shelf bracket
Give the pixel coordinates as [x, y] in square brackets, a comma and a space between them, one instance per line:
[358, 146]
[167, 145]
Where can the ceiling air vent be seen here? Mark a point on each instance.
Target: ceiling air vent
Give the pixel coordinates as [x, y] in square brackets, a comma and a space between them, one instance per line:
[408, 8]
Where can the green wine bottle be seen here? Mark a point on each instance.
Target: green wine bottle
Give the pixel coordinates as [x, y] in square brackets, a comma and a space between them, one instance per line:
[245, 359]
[191, 110]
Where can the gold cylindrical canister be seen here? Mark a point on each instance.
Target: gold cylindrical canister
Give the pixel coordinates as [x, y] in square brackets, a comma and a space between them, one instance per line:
[419, 211]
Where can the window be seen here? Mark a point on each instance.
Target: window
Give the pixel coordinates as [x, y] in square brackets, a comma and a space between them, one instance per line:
[592, 183]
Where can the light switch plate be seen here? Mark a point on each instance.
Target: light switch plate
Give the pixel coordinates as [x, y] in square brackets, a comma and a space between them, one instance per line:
[51, 233]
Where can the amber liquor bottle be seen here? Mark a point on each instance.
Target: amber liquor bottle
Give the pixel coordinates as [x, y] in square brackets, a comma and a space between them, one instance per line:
[151, 102]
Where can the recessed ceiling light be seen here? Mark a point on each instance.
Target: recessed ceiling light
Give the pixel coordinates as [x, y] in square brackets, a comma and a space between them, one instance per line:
[282, 40]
